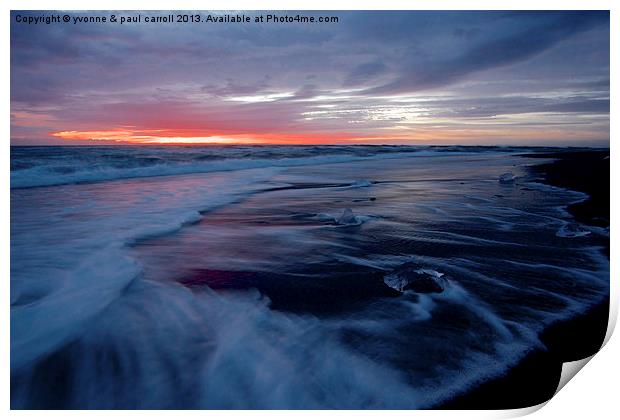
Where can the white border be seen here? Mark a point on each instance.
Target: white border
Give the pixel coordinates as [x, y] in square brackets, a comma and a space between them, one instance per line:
[593, 393]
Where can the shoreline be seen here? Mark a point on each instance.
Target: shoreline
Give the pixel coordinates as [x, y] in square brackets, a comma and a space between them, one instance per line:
[535, 378]
[321, 287]
[583, 171]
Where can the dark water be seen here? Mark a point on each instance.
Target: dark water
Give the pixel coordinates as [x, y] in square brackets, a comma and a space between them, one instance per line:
[284, 277]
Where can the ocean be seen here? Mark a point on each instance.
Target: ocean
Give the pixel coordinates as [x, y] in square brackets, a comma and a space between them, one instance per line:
[285, 276]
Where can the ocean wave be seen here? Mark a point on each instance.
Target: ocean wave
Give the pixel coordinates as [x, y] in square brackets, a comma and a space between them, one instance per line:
[92, 326]
[35, 167]
[71, 262]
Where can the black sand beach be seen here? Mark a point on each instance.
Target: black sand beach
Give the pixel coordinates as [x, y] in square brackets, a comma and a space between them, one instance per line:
[535, 379]
[585, 171]
[290, 279]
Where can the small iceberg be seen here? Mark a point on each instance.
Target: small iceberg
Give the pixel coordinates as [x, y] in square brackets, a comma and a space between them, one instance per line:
[507, 178]
[572, 230]
[348, 218]
[410, 276]
[361, 183]
[323, 217]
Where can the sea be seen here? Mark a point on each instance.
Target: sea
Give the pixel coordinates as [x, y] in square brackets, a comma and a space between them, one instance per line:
[285, 277]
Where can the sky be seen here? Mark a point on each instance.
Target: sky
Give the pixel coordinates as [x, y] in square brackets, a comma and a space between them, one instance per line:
[417, 77]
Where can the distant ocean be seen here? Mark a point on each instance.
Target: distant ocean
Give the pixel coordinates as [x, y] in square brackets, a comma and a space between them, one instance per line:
[285, 276]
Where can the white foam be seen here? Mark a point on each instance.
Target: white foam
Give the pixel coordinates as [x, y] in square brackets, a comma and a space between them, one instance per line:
[68, 260]
[221, 352]
[45, 175]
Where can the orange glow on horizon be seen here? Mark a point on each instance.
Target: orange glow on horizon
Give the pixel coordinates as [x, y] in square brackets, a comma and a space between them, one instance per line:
[151, 137]
[419, 135]
[122, 135]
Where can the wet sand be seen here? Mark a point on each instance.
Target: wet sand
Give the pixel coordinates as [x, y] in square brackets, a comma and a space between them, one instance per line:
[286, 263]
[584, 171]
[535, 379]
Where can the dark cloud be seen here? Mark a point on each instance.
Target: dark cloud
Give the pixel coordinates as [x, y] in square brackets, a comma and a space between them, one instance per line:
[592, 106]
[491, 107]
[234, 88]
[331, 77]
[497, 51]
[364, 72]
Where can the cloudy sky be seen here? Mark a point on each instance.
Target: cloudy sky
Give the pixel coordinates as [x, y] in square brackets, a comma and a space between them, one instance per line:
[373, 77]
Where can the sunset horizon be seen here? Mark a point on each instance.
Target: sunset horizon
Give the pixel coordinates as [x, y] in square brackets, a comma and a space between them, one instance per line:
[480, 78]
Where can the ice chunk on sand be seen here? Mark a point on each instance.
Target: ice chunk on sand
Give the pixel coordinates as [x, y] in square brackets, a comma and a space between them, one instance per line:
[572, 230]
[507, 178]
[361, 183]
[348, 218]
[411, 276]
